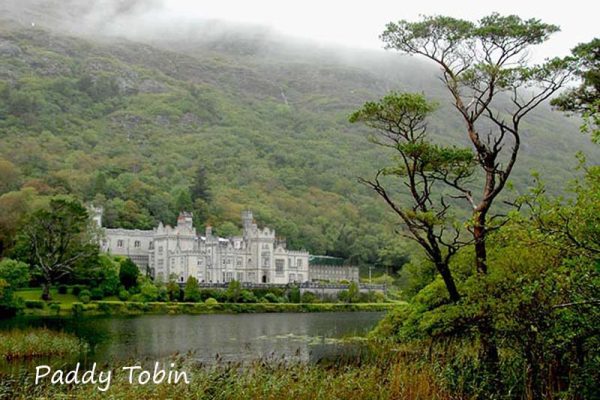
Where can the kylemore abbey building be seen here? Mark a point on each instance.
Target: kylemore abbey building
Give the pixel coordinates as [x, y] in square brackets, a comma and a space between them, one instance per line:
[255, 257]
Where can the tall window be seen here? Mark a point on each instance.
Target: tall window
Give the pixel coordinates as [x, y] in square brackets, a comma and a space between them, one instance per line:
[279, 263]
[136, 243]
[119, 243]
[299, 263]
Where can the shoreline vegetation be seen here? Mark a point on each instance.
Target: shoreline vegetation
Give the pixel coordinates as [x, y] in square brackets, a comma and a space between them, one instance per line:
[262, 379]
[39, 342]
[117, 307]
[65, 303]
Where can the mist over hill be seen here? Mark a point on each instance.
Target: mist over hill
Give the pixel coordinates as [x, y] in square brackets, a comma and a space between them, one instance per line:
[123, 106]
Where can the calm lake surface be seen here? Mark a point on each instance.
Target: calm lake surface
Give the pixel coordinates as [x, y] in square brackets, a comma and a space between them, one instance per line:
[307, 337]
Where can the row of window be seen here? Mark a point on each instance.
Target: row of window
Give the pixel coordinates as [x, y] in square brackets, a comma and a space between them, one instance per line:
[137, 244]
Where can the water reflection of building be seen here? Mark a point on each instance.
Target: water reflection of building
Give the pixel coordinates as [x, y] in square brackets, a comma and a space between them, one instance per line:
[256, 256]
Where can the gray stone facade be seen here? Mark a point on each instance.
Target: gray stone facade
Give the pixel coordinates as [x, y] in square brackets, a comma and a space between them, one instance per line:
[254, 257]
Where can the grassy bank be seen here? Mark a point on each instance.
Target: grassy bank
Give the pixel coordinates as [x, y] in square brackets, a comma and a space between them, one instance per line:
[390, 378]
[116, 307]
[38, 343]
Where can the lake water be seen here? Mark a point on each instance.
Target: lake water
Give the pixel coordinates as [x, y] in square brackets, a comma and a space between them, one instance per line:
[306, 337]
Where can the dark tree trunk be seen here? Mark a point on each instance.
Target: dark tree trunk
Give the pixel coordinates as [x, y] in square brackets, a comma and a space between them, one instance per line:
[444, 271]
[479, 236]
[46, 291]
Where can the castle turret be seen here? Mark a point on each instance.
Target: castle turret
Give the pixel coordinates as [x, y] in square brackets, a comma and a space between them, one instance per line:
[185, 219]
[96, 213]
[247, 220]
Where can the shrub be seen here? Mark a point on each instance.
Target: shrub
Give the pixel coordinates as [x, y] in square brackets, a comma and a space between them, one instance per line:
[272, 298]
[15, 273]
[211, 302]
[247, 296]
[163, 295]
[234, 291]
[379, 297]
[343, 296]
[55, 307]
[96, 294]
[76, 290]
[191, 292]
[85, 296]
[128, 273]
[34, 304]
[77, 308]
[173, 291]
[294, 295]
[62, 289]
[353, 292]
[309, 297]
[137, 298]
[148, 291]
[123, 295]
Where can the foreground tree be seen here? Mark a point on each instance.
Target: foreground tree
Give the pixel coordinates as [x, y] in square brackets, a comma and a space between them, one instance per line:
[56, 239]
[484, 68]
[485, 71]
[399, 120]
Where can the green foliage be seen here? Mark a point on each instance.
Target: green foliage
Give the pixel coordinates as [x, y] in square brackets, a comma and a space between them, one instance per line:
[211, 302]
[62, 289]
[76, 290]
[9, 304]
[272, 298]
[309, 297]
[294, 295]
[191, 291]
[38, 342]
[103, 275]
[353, 292]
[128, 273]
[85, 296]
[96, 294]
[173, 291]
[35, 304]
[148, 291]
[55, 307]
[234, 291]
[15, 273]
[540, 292]
[56, 240]
[123, 295]
[248, 297]
[585, 99]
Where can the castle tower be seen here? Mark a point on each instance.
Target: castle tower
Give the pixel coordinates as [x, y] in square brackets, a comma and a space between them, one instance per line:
[185, 219]
[96, 213]
[247, 220]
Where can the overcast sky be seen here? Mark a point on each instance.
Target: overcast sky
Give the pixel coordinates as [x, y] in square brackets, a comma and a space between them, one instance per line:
[358, 23]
